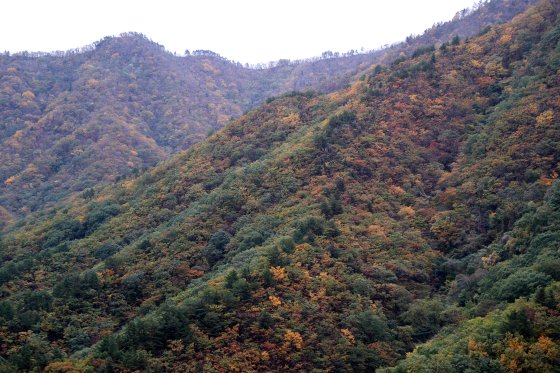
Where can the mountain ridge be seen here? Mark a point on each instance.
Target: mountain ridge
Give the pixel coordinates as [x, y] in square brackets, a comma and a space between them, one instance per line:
[123, 104]
[321, 231]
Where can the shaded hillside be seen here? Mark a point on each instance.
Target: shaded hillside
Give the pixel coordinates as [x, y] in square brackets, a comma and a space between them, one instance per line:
[327, 232]
[69, 121]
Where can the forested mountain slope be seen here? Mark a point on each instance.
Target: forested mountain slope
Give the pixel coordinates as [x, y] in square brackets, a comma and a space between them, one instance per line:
[68, 122]
[321, 232]
[466, 23]
[71, 120]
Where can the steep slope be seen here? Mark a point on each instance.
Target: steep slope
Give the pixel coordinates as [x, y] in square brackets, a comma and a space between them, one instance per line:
[521, 334]
[329, 232]
[71, 120]
[466, 23]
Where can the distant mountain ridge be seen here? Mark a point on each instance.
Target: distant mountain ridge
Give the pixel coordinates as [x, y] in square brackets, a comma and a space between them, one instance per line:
[68, 122]
[71, 120]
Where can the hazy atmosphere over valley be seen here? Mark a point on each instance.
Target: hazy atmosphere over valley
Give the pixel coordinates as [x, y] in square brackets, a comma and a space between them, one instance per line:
[280, 187]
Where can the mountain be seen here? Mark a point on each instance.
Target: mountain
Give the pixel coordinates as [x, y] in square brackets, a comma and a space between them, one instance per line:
[466, 23]
[417, 207]
[71, 120]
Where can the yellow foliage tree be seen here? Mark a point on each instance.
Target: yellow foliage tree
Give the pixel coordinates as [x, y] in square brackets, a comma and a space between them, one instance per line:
[546, 118]
[293, 339]
[278, 273]
[347, 334]
[28, 95]
[275, 300]
[407, 212]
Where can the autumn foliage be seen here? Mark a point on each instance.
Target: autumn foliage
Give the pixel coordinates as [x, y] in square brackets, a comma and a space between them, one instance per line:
[409, 221]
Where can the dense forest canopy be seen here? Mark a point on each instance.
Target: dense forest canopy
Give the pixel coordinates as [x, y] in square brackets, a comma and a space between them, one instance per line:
[408, 222]
[70, 120]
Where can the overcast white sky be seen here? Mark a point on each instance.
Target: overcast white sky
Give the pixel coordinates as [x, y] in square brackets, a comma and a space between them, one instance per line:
[242, 30]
